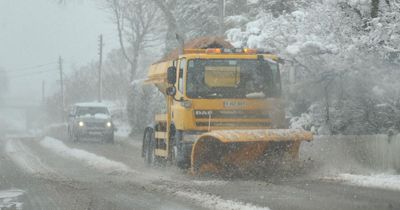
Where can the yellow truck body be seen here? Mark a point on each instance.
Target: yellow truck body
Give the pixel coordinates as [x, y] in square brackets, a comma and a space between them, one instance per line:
[213, 119]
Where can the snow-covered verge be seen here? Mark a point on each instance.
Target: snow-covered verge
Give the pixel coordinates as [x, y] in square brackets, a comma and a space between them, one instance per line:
[360, 154]
[361, 160]
[88, 158]
[9, 199]
[382, 181]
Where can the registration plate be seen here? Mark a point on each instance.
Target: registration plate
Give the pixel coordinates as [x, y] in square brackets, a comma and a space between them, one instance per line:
[94, 132]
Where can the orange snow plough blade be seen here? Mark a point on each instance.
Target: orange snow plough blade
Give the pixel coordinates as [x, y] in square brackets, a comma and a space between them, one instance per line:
[239, 150]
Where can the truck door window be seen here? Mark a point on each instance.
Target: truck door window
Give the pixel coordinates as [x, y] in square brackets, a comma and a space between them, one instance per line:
[182, 65]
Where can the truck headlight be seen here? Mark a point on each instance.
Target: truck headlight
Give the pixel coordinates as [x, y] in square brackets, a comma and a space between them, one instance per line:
[109, 124]
[187, 104]
[81, 124]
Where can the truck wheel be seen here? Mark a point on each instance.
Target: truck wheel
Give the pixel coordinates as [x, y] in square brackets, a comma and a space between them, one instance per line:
[180, 152]
[148, 147]
[178, 158]
[70, 137]
[111, 139]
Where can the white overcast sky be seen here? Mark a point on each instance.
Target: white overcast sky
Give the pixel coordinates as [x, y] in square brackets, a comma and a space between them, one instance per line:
[36, 32]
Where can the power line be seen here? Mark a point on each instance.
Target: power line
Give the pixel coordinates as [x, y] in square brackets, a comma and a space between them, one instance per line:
[28, 68]
[30, 74]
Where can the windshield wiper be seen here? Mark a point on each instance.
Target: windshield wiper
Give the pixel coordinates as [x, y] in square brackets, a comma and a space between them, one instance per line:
[255, 95]
[210, 95]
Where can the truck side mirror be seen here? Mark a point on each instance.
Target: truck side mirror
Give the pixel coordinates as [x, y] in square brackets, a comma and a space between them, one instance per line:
[171, 75]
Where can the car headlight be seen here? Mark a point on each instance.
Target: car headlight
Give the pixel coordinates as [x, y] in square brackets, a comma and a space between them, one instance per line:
[109, 124]
[81, 124]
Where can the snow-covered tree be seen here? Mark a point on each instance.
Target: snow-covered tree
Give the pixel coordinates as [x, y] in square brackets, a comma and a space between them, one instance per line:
[136, 23]
[341, 53]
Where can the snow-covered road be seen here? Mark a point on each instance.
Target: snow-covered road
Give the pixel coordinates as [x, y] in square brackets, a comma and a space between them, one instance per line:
[51, 173]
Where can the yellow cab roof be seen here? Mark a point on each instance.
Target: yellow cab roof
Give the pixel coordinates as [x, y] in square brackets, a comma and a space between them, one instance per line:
[227, 56]
[157, 73]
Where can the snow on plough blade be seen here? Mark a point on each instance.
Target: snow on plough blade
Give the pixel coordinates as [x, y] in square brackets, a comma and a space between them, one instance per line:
[216, 152]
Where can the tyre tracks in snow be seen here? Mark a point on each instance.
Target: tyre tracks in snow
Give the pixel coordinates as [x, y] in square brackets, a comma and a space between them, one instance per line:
[121, 170]
[305, 190]
[149, 179]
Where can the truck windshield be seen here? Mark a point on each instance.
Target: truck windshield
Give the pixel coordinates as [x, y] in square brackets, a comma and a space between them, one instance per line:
[232, 78]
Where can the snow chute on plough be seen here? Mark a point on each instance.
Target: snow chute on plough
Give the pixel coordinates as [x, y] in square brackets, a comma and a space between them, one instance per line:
[223, 110]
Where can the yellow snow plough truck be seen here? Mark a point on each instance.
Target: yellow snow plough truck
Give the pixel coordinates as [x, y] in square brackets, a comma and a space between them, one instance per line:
[224, 111]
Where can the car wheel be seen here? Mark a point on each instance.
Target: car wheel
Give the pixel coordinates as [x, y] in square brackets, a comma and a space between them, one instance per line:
[110, 139]
[75, 138]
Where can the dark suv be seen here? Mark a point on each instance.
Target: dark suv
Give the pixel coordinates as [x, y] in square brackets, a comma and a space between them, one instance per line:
[90, 120]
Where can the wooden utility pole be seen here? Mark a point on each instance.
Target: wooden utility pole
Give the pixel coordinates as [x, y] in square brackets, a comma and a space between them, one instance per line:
[43, 91]
[61, 88]
[100, 93]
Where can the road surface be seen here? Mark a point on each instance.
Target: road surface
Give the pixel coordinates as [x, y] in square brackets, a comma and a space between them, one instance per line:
[53, 173]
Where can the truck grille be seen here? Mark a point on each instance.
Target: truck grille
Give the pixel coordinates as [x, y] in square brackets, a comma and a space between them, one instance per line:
[232, 118]
[230, 114]
[95, 124]
[234, 124]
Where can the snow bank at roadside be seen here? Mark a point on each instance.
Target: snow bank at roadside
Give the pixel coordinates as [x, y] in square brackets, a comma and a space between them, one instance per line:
[88, 158]
[382, 181]
[215, 202]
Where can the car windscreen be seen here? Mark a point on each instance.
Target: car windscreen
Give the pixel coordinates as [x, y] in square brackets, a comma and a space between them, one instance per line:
[81, 111]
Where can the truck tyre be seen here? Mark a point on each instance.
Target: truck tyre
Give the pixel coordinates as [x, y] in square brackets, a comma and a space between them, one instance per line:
[148, 147]
[111, 139]
[179, 160]
[181, 152]
[70, 137]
